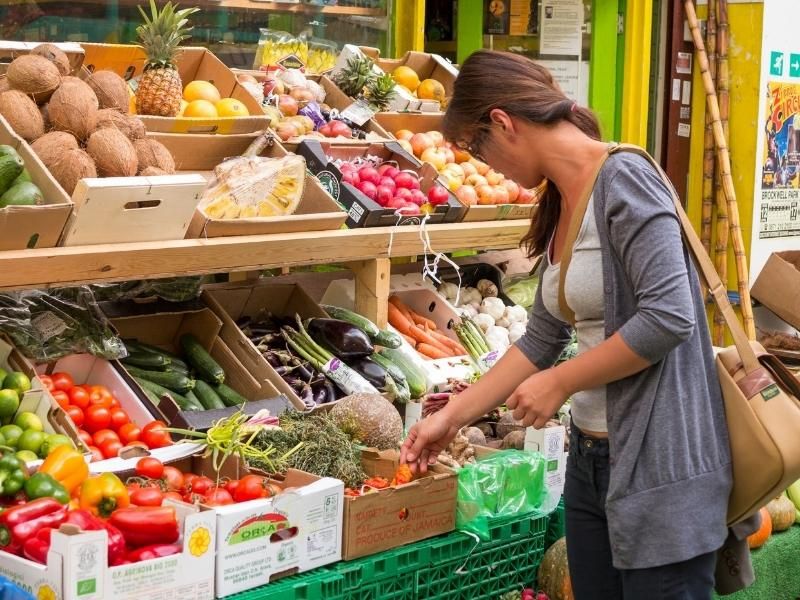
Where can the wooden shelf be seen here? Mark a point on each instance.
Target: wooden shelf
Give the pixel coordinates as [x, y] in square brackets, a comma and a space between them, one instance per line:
[23, 269]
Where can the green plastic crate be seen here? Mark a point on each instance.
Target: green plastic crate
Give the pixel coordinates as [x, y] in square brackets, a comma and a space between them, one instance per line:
[388, 564]
[555, 527]
[314, 585]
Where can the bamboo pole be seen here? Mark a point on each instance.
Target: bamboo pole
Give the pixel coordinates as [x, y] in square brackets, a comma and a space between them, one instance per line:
[708, 142]
[724, 159]
[723, 82]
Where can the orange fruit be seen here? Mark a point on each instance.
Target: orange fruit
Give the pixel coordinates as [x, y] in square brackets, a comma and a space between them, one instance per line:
[184, 104]
[201, 90]
[407, 77]
[430, 89]
[228, 107]
[200, 109]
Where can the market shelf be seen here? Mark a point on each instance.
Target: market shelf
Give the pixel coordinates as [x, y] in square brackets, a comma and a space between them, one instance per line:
[53, 267]
[277, 7]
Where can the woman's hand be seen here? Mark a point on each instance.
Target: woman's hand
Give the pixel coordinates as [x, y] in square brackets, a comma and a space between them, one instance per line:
[538, 398]
[426, 440]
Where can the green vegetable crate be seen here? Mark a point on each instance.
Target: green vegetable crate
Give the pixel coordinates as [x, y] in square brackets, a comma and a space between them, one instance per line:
[450, 567]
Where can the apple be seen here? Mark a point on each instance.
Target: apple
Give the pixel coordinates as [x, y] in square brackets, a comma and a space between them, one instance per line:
[407, 180]
[288, 105]
[406, 145]
[493, 177]
[467, 195]
[513, 190]
[462, 156]
[418, 197]
[452, 182]
[340, 129]
[438, 195]
[455, 170]
[435, 156]
[410, 210]
[404, 194]
[388, 182]
[368, 189]
[351, 177]
[437, 137]
[370, 174]
[384, 195]
[481, 167]
[274, 86]
[449, 156]
[396, 203]
[390, 172]
[468, 168]
[485, 194]
[286, 131]
[500, 194]
[525, 196]
[384, 167]
[476, 180]
[421, 142]
[404, 134]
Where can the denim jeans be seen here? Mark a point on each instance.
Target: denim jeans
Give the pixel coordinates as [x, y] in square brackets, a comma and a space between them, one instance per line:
[589, 549]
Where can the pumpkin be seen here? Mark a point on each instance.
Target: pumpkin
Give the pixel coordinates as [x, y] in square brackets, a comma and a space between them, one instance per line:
[553, 577]
[782, 512]
[757, 539]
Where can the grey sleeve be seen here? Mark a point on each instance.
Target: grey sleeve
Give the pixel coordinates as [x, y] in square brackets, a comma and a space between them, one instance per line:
[545, 336]
[645, 233]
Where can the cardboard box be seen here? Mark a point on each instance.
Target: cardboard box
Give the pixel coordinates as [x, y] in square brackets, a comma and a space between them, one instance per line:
[77, 566]
[232, 301]
[193, 64]
[164, 330]
[778, 286]
[549, 442]
[317, 211]
[361, 211]
[393, 517]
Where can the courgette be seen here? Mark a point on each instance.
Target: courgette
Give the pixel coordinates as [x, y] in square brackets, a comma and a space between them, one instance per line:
[206, 367]
[417, 384]
[228, 395]
[137, 347]
[207, 396]
[170, 380]
[394, 371]
[388, 339]
[160, 391]
[381, 337]
[152, 397]
[194, 402]
[156, 362]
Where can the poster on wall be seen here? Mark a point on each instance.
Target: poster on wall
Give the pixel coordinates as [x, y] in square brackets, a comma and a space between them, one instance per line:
[524, 17]
[561, 27]
[496, 17]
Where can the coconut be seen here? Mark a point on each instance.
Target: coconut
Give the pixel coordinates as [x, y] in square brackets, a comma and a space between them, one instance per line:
[4, 85]
[514, 441]
[45, 116]
[52, 145]
[475, 436]
[70, 167]
[73, 108]
[34, 75]
[506, 424]
[111, 90]
[152, 172]
[369, 419]
[22, 114]
[132, 127]
[55, 55]
[154, 154]
[113, 153]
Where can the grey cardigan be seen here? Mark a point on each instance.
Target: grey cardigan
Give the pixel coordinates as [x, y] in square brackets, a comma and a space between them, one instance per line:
[669, 454]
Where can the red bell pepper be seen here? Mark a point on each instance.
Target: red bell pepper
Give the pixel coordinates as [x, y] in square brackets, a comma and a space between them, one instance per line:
[146, 525]
[153, 551]
[19, 523]
[88, 522]
[37, 547]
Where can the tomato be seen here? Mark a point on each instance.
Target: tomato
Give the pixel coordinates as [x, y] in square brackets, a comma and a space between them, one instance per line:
[97, 418]
[173, 496]
[201, 485]
[231, 486]
[188, 478]
[79, 397]
[250, 487]
[217, 496]
[62, 398]
[129, 432]
[110, 448]
[100, 391]
[96, 454]
[76, 414]
[62, 381]
[102, 435]
[174, 478]
[149, 467]
[114, 402]
[85, 437]
[47, 382]
[118, 418]
[155, 435]
[147, 497]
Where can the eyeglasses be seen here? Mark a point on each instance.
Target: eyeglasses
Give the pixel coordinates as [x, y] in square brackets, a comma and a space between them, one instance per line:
[474, 145]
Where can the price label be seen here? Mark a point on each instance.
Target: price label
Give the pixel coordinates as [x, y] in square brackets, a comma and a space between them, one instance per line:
[48, 325]
[487, 361]
[358, 112]
[346, 378]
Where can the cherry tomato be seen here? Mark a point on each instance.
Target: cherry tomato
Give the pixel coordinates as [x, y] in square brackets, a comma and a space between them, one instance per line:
[110, 448]
[62, 398]
[231, 486]
[118, 418]
[97, 454]
[174, 478]
[114, 402]
[217, 496]
[47, 382]
[79, 397]
[85, 437]
[173, 496]
[129, 432]
[101, 436]
[76, 414]
[97, 418]
[100, 391]
[201, 485]
[150, 496]
[250, 487]
[155, 435]
[62, 381]
[188, 478]
[149, 467]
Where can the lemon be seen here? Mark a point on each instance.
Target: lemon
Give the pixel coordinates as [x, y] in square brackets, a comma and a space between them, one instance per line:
[9, 403]
[28, 420]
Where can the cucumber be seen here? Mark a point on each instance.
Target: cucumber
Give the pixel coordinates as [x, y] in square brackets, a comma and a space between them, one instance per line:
[343, 314]
[206, 367]
[154, 399]
[159, 391]
[415, 378]
[194, 402]
[207, 396]
[137, 347]
[172, 381]
[22, 194]
[394, 371]
[156, 362]
[388, 339]
[10, 168]
[228, 395]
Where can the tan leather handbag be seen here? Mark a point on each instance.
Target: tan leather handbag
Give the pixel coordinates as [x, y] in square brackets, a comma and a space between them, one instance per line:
[762, 398]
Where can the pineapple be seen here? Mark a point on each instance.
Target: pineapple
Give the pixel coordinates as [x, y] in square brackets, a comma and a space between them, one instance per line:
[380, 92]
[160, 90]
[353, 78]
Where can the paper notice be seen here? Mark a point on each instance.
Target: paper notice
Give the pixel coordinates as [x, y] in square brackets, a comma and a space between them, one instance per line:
[561, 27]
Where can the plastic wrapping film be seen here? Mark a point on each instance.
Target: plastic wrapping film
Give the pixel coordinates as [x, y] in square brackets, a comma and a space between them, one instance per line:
[171, 289]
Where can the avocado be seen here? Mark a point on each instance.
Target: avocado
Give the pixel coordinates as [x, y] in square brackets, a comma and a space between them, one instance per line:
[22, 194]
[24, 176]
[6, 150]
[10, 169]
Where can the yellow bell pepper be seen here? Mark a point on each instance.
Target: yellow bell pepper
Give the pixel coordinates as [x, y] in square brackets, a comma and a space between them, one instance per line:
[67, 466]
[103, 494]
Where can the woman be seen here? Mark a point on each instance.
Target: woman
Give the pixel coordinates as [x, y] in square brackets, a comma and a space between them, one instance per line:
[648, 474]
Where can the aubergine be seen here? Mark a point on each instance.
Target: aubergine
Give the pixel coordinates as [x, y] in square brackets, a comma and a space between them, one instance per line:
[342, 339]
[370, 370]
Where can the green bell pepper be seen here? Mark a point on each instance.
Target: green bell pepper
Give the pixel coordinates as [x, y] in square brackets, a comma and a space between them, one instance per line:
[12, 474]
[42, 485]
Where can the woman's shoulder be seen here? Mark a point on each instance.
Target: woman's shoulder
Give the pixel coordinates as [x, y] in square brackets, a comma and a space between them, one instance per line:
[629, 175]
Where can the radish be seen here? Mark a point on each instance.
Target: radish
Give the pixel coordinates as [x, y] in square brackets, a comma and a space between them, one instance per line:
[437, 195]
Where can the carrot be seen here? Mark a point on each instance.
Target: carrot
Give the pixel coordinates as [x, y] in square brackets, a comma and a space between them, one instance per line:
[413, 316]
[451, 344]
[410, 340]
[424, 338]
[422, 321]
[398, 320]
[431, 351]
[400, 306]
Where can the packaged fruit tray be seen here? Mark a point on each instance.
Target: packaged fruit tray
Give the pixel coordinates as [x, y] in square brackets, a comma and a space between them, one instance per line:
[381, 184]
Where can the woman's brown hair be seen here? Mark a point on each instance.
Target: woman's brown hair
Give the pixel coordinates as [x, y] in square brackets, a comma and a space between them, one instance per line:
[524, 89]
